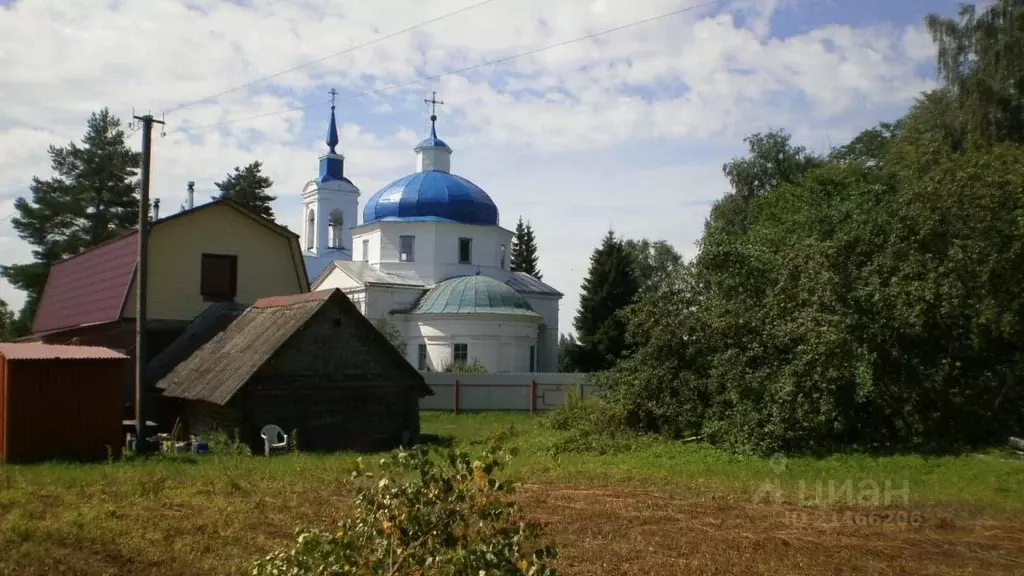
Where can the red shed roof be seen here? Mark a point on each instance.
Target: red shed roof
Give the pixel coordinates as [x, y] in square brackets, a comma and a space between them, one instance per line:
[39, 351]
[88, 288]
[291, 300]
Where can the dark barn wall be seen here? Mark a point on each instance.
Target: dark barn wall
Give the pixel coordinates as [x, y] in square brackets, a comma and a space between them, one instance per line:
[332, 384]
[120, 336]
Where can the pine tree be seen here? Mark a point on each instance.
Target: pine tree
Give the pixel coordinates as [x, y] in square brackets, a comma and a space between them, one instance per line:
[524, 250]
[92, 197]
[609, 287]
[7, 323]
[248, 186]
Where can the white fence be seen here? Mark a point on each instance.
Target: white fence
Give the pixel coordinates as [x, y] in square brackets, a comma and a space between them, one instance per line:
[532, 392]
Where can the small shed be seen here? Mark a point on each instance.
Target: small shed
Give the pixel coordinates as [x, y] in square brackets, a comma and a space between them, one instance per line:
[309, 362]
[60, 401]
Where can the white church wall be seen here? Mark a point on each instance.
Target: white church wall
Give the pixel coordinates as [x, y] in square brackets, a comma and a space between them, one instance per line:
[436, 249]
[368, 239]
[547, 341]
[382, 300]
[501, 343]
[338, 279]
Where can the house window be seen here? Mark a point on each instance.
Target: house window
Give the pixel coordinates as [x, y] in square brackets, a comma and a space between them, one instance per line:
[533, 358]
[465, 250]
[218, 281]
[460, 354]
[366, 250]
[501, 258]
[405, 248]
[421, 357]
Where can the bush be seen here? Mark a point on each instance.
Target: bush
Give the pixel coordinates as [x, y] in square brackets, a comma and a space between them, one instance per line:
[589, 426]
[428, 514]
[474, 367]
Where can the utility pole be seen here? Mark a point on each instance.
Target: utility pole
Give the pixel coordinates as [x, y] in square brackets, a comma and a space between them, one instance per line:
[142, 275]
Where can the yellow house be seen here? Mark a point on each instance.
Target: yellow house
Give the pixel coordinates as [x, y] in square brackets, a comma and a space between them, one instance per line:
[216, 252]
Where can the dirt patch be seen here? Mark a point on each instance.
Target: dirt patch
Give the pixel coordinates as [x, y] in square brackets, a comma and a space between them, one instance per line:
[616, 530]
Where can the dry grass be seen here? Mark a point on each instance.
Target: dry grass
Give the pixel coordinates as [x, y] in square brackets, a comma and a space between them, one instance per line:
[661, 510]
[616, 530]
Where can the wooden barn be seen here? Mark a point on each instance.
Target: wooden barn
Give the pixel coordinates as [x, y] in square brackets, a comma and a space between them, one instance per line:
[310, 363]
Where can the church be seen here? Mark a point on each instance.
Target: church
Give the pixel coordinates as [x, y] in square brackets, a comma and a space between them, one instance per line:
[430, 257]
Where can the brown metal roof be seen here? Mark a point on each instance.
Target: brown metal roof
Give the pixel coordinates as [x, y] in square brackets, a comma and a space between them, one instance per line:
[275, 301]
[218, 368]
[40, 351]
[88, 288]
[91, 287]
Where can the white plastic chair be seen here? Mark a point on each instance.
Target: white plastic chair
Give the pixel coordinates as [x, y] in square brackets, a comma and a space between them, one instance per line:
[274, 438]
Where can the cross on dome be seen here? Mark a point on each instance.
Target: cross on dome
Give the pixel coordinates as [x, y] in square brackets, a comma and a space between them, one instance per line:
[433, 101]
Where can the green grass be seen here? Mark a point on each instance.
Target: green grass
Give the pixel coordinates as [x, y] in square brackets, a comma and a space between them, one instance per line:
[991, 480]
[213, 514]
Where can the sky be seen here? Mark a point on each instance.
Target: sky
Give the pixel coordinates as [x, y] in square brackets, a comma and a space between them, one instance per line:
[625, 131]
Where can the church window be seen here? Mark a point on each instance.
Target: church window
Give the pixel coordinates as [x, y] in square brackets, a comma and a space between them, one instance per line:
[336, 224]
[533, 358]
[406, 244]
[366, 250]
[421, 357]
[501, 258]
[465, 250]
[218, 277]
[460, 354]
[310, 229]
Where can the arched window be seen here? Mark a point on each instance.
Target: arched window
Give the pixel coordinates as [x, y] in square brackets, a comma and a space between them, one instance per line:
[310, 229]
[337, 228]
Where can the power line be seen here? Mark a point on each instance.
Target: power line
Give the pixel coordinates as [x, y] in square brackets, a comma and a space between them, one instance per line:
[461, 70]
[329, 56]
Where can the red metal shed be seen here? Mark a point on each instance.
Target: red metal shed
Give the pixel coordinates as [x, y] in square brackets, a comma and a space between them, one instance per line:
[59, 401]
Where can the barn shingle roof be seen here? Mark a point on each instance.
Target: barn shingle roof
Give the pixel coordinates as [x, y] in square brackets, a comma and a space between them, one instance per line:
[215, 370]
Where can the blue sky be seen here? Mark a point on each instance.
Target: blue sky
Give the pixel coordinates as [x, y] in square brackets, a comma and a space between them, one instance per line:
[627, 131]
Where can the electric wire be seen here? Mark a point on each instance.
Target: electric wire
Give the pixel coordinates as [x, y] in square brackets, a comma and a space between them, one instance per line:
[459, 70]
[329, 56]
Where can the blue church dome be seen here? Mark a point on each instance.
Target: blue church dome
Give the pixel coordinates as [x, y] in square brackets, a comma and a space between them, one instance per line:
[473, 295]
[433, 195]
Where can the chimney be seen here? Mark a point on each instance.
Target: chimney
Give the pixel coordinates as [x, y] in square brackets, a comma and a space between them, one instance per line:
[156, 209]
[190, 195]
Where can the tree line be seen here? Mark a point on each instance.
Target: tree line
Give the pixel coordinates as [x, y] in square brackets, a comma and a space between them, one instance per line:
[867, 297]
[92, 197]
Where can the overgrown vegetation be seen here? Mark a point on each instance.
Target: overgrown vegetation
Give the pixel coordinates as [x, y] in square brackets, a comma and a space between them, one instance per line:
[215, 513]
[445, 515]
[589, 426]
[473, 367]
[865, 298]
[391, 333]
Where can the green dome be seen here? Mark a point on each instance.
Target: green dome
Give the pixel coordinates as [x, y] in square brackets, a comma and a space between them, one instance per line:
[473, 295]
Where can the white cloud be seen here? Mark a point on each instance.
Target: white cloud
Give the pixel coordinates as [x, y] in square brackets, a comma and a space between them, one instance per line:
[553, 136]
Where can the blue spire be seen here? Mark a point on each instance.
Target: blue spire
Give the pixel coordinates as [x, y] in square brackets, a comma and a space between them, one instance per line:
[332, 133]
[332, 130]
